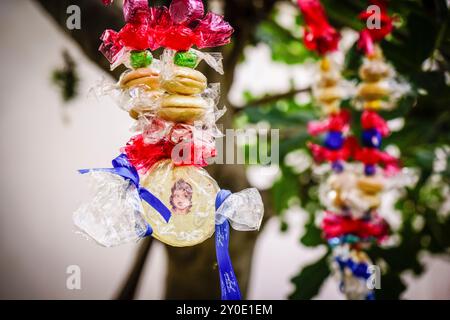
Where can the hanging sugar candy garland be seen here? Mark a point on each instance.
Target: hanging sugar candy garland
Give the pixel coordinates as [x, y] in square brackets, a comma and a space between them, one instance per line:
[352, 262]
[339, 224]
[350, 193]
[157, 186]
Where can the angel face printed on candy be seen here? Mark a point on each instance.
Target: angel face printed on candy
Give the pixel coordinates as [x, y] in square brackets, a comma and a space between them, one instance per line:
[181, 197]
[189, 193]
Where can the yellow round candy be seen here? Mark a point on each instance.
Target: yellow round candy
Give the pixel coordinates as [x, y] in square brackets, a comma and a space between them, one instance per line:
[189, 192]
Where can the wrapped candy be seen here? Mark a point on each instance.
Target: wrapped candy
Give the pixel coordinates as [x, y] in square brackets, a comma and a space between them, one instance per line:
[352, 270]
[158, 186]
[369, 36]
[329, 90]
[178, 27]
[319, 35]
[115, 214]
[380, 88]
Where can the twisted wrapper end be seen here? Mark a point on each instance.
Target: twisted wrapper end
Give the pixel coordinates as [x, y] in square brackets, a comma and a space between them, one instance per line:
[244, 210]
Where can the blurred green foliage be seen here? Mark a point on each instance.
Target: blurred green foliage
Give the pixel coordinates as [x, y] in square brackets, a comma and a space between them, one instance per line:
[419, 49]
[66, 78]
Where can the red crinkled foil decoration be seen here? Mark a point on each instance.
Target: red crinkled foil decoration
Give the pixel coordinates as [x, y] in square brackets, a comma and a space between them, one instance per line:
[197, 157]
[321, 153]
[372, 156]
[144, 155]
[134, 10]
[336, 122]
[368, 37]
[335, 225]
[372, 120]
[180, 27]
[212, 31]
[186, 11]
[319, 35]
[110, 46]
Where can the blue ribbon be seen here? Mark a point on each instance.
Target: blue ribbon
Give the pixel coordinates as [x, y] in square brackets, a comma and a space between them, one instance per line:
[228, 282]
[123, 168]
[359, 269]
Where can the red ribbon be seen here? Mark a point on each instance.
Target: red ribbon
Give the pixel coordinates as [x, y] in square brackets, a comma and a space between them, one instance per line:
[319, 35]
[369, 36]
[335, 225]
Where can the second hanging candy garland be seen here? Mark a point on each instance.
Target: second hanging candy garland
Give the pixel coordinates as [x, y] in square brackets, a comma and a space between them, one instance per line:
[351, 193]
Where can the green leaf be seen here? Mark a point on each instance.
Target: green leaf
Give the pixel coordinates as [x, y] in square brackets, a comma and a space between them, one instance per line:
[284, 190]
[392, 287]
[313, 235]
[410, 51]
[309, 281]
[285, 47]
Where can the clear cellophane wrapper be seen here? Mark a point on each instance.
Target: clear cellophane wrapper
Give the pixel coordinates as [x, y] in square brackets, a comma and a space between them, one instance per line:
[329, 87]
[114, 215]
[351, 268]
[126, 98]
[340, 190]
[394, 86]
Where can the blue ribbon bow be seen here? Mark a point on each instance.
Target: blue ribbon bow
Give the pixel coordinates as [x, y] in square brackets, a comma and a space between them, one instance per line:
[228, 282]
[123, 168]
[359, 270]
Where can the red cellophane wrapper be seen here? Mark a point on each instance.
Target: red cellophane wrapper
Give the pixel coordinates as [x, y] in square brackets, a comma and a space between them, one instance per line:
[181, 145]
[372, 156]
[368, 37]
[372, 120]
[335, 225]
[336, 122]
[319, 35]
[179, 27]
[321, 154]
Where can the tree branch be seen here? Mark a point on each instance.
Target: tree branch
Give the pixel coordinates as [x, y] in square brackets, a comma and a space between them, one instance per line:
[273, 98]
[130, 285]
[95, 18]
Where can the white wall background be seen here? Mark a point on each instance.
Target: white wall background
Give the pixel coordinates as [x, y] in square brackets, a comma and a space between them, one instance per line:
[40, 188]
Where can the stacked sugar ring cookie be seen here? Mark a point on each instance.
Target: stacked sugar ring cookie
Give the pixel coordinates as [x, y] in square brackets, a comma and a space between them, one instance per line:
[143, 78]
[183, 86]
